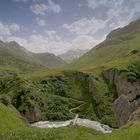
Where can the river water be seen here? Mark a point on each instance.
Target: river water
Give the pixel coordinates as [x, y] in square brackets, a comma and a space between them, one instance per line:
[81, 122]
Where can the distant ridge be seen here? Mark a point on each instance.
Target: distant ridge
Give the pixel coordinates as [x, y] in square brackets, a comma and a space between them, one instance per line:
[14, 55]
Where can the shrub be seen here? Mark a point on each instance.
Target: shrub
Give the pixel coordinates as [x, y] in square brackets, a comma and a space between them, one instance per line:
[131, 72]
[56, 85]
[5, 100]
[57, 108]
[109, 120]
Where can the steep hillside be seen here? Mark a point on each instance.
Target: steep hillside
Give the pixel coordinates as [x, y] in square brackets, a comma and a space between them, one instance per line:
[14, 56]
[10, 119]
[119, 44]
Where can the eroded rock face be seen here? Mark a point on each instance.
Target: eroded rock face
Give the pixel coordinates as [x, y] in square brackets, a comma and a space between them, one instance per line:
[93, 89]
[32, 114]
[122, 86]
[90, 85]
[128, 96]
[122, 109]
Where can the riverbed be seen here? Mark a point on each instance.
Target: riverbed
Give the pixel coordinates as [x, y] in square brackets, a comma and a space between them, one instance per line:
[81, 122]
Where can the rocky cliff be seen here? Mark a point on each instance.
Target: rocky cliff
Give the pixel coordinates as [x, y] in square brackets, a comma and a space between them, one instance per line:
[32, 114]
[128, 99]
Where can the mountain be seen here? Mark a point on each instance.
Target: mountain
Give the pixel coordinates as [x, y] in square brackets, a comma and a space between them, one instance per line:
[118, 44]
[49, 60]
[105, 89]
[15, 56]
[71, 55]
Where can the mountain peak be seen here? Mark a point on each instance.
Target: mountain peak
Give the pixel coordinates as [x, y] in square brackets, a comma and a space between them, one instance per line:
[72, 54]
[13, 44]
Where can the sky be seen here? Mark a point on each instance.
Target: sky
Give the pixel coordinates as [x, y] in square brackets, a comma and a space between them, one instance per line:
[57, 26]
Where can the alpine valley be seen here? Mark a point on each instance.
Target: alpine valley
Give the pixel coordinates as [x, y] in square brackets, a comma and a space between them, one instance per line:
[102, 85]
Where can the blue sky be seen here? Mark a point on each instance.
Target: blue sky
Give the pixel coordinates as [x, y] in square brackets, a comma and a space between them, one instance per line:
[59, 25]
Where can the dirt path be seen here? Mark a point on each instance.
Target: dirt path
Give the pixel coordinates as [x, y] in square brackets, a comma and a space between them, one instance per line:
[82, 103]
[76, 121]
[75, 108]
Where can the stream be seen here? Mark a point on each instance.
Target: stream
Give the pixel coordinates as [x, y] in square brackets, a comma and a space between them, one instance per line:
[81, 122]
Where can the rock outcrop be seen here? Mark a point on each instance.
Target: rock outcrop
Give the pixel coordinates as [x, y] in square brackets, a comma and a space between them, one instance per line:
[90, 85]
[128, 96]
[32, 114]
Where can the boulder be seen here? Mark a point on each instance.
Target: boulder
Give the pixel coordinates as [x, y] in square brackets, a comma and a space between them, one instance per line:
[122, 110]
[32, 114]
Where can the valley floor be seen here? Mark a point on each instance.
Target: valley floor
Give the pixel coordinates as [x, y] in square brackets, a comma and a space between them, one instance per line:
[73, 133]
[12, 127]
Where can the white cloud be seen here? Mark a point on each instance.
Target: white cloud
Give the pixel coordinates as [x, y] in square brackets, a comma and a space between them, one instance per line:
[122, 11]
[53, 7]
[42, 9]
[4, 29]
[96, 3]
[7, 29]
[41, 22]
[84, 42]
[38, 43]
[14, 27]
[39, 9]
[52, 35]
[85, 26]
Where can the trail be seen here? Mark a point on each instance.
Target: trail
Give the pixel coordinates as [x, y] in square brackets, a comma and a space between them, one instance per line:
[76, 121]
[75, 108]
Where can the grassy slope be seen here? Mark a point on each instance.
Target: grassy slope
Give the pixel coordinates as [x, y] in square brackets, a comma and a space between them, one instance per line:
[117, 45]
[71, 133]
[9, 119]
[13, 56]
[49, 60]
[11, 128]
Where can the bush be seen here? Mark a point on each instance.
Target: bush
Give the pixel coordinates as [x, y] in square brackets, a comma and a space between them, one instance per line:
[5, 100]
[56, 84]
[57, 108]
[131, 72]
[109, 120]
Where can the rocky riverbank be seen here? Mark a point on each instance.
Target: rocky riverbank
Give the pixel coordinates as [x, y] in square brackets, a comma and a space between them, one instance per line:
[81, 122]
